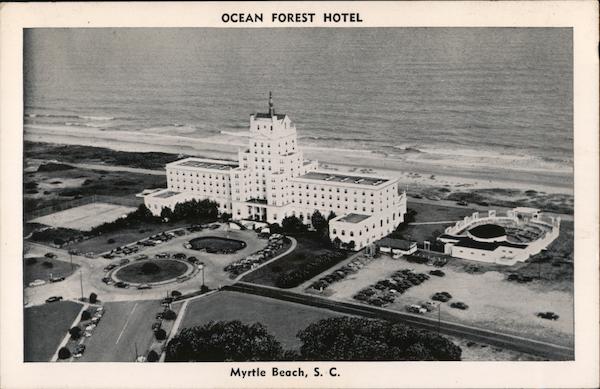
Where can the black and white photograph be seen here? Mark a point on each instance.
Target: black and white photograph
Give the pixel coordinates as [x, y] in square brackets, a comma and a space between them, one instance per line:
[321, 194]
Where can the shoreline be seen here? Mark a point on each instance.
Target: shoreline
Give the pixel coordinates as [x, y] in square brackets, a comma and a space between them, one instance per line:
[410, 173]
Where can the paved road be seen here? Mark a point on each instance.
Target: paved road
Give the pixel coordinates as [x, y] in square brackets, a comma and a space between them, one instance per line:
[124, 326]
[91, 271]
[543, 349]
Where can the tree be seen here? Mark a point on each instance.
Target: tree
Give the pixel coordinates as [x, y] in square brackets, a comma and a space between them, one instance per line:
[93, 298]
[226, 216]
[332, 215]
[292, 225]
[224, 341]
[337, 242]
[160, 334]
[169, 315]
[75, 332]
[166, 214]
[85, 315]
[319, 223]
[351, 245]
[64, 353]
[152, 356]
[361, 339]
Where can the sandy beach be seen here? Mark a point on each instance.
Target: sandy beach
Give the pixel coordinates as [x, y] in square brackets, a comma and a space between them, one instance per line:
[412, 172]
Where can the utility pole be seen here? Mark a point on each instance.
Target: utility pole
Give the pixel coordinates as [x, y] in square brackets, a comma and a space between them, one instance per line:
[439, 316]
[81, 283]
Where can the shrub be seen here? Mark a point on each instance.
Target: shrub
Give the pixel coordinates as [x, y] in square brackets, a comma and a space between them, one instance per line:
[160, 334]
[110, 241]
[47, 264]
[150, 268]
[85, 315]
[75, 333]
[152, 356]
[169, 315]
[175, 293]
[93, 298]
[30, 261]
[204, 289]
[64, 353]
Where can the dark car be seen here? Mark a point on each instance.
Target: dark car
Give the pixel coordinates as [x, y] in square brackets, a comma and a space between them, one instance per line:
[50, 255]
[213, 226]
[548, 315]
[459, 305]
[463, 203]
[441, 296]
[110, 267]
[144, 286]
[57, 279]
[53, 299]
[122, 285]
[438, 273]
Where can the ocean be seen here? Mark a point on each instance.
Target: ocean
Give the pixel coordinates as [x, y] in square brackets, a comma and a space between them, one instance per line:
[459, 96]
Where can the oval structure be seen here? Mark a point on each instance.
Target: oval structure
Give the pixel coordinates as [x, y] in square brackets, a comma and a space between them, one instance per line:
[487, 233]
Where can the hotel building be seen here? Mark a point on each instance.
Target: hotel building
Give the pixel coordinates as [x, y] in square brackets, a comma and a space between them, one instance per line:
[272, 180]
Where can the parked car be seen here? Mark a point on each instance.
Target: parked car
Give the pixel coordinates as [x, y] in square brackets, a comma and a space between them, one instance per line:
[415, 309]
[79, 350]
[548, 315]
[429, 306]
[57, 279]
[144, 286]
[213, 226]
[179, 256]
[122, 285]
[459, 305]
[37, 283]
[438, 273]
[53, 299]
[110, 267]
[443, 297]
[50, 255]
[463, 203]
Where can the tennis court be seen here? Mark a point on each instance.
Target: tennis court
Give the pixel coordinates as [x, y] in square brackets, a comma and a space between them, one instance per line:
[85, 217]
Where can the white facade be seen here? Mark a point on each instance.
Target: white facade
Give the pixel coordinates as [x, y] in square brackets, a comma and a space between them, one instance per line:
[272, 180]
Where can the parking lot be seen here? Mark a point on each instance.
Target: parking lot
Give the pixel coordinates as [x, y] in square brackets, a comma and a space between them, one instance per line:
[493, 302]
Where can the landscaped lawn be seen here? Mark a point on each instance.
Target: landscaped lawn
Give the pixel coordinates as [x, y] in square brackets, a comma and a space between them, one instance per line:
[282, 319]
[168, 269]
[45, 326]
[217, 244]
[307, 248]
[40, 271]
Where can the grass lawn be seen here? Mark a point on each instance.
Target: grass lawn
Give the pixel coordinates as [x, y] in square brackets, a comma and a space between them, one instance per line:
[274, 314]
[168, 269]
[307, 247]
[40, 271]
[45, 327]
[216, 244]
[100, 244]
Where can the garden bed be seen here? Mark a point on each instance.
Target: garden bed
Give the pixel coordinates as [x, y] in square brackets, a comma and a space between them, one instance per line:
[217, 245]
[150, 271]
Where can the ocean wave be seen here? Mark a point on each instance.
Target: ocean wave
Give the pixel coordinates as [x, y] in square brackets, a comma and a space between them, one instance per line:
[102, 118]
[66, 116]
[241, 134]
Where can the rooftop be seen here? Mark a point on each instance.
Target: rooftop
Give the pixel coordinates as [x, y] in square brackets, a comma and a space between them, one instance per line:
[353, 218]
[260, 115]
[335, 177]
[215, 165]
[166, 194]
